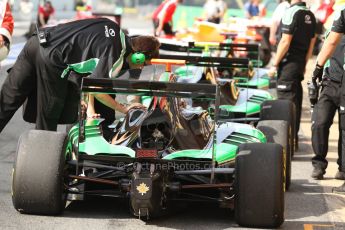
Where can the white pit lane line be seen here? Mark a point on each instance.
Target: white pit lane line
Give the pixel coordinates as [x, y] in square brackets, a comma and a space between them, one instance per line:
[13, 55]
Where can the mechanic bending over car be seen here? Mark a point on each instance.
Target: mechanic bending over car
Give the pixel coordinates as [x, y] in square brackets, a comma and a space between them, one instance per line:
[327, 50]
[294, 50]
[6, 29]
[95, 46]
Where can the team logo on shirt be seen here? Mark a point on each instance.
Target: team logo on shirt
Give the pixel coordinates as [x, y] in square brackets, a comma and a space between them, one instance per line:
[307, 19]
[109, 32]
[112, 32]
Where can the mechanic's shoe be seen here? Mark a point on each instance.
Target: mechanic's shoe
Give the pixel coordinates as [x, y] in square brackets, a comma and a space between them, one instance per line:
[339, 190]
[340, 175]
[318, 173]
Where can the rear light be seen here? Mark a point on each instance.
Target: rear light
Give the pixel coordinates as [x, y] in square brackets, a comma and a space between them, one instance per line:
[146, 153]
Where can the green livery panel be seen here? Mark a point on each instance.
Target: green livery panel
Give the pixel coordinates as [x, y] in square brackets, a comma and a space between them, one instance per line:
[226, 148]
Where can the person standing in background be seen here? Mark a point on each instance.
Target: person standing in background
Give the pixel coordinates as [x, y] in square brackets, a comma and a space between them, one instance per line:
[322, 11]
[324, 111]
[254, 8]
[277, 15]
[44, 13]
[294, 50]
[328, 49]
[215, 10]
[6, 29]
[162, 17]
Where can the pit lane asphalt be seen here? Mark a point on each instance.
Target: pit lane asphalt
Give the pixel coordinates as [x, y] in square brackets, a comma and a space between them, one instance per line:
[309, 204]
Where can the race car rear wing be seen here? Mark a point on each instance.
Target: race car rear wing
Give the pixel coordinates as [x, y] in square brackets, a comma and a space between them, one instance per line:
[178, 48]
[199, 47]
[210, 61]
[239, 47]
[149, 88]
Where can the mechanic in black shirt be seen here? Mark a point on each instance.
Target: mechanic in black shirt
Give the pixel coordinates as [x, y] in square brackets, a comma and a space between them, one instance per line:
[294, 49]
[328, 48]
[94, 46]
[324, 111]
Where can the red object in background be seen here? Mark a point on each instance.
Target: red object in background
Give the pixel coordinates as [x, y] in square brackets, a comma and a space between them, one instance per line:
[146, 153]
[6, 20]
[45, 11]
[323, 12]
[167, 36]
[166, 9]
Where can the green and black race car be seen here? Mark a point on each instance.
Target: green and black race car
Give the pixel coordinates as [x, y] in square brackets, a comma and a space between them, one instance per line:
[249, 86]
[241, 105]
[160, 154]
[253, 77]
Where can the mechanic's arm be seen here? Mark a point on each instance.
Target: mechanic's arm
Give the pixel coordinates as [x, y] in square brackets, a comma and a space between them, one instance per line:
[133, 99]
[107, 100]
[273, 31]
[160, 25]
[41, 18]
[282, 49]
[91, 106]
[108, 55]
[328, 47]
[310, 50]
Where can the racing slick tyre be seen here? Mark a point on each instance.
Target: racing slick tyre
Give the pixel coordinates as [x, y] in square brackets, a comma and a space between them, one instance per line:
[281, 110]
[259, 193]
[37, 176]
[278, 132]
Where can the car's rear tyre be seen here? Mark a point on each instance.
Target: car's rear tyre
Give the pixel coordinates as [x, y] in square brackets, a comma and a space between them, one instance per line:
[281, 110]
[37, 177]
[278, 132]
[259, 195]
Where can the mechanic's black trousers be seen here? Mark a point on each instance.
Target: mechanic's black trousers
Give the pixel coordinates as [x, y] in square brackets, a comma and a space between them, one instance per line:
[290, 76]
[292, 90]
[322, 119]
[31, 72]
